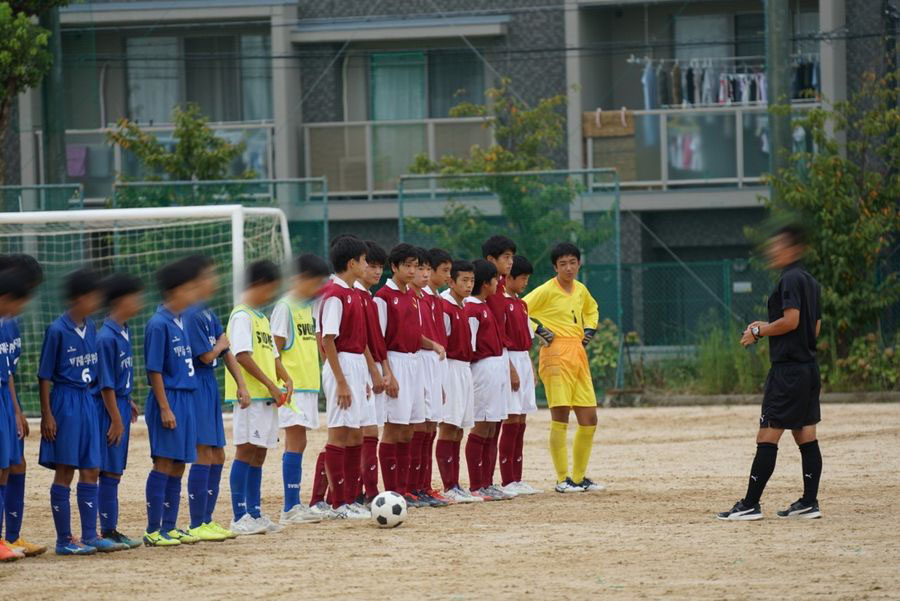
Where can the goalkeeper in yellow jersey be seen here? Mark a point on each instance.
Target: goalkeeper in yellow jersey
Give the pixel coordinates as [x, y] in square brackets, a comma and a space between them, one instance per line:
[566, 317]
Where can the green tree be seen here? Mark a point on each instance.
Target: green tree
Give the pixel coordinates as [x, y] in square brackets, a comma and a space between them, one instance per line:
[848, 197]
[24, 57]
[535, 209]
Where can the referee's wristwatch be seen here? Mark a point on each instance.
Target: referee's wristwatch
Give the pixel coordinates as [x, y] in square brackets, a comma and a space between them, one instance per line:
[756, 333]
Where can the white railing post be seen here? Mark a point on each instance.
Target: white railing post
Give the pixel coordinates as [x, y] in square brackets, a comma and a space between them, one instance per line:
[739, 142]
[664, 150]
[370, 160]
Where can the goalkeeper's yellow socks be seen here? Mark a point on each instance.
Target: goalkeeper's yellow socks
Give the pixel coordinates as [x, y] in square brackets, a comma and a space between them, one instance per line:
[581, 451]
[559, 452]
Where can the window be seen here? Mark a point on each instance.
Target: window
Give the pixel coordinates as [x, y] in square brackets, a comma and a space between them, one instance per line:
[211, 76]
[702, 36]
[454, 76]
[153, 78]
[398, 85]
[750, 34]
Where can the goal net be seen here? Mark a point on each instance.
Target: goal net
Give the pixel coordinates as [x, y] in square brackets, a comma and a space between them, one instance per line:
[139, 242]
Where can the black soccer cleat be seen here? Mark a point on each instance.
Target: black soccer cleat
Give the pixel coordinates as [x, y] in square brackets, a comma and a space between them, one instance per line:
[741, 512]
[802, 510]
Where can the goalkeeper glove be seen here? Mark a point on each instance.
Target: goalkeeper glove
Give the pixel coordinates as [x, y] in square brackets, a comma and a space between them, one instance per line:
[545, 335]
[588, 336]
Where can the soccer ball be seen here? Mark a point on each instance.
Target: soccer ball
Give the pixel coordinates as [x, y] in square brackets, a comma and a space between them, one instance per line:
[388, 510]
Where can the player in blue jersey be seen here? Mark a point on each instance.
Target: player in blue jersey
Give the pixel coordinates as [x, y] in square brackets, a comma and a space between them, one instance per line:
[117, 411]
[69, 422]
[30, 273]
[170, 402]
[209, 347]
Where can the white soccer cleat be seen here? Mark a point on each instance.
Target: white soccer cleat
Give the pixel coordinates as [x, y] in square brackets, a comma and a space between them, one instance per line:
[271, 527]
[511, 489]
[323, 510]
[567, 486]
[590, 486]
[527, 489]
[300, 514]
[247, 525]
[357, 511]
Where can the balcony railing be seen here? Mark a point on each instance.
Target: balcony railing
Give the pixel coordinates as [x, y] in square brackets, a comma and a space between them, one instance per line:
[93, 161]
[714, 146]
[365, 159]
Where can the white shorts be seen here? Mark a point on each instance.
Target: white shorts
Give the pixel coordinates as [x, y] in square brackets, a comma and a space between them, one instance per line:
[522, 400]
[490, 380]
[355, 372]
[409, 405]
[432, 378]
[460, 405]
[257, 425]
[378, 399]
[307, 414]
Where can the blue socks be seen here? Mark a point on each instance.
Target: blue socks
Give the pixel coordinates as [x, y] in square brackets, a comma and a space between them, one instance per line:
[171, 503]
[59, 506]
[3, 503]
[291, 473]
[86, 495]
[215, 477]
[156, 492]
[198, 497]
[108, 504]
[238, 482]
[254, 494]
[15, 505]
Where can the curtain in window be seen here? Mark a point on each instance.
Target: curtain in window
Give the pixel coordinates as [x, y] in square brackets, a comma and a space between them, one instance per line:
[454, 76]
[256, 78]
[211, 76]
[398, 92]
[152, 78]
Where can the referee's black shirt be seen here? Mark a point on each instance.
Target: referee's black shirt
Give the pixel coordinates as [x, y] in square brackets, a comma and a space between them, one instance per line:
[795, 290]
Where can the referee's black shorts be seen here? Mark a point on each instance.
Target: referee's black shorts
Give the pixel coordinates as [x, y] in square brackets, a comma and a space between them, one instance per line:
[791, 398]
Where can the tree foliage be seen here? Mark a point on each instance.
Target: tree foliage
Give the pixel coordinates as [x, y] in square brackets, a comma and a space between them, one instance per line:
[848, 197]
[535, 209]
[198, 154]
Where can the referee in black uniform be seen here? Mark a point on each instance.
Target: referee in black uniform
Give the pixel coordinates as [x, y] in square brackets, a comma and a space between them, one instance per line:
[791, 398]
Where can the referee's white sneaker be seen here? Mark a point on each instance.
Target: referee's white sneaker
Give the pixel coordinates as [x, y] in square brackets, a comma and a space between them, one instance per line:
[800, 509]
[741, 512]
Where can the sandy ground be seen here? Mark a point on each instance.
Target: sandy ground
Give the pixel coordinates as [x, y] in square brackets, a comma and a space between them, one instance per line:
[650, 536]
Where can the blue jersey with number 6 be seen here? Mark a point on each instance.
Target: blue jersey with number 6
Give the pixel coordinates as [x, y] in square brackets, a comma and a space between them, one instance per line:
[69, 353]
[167, 350]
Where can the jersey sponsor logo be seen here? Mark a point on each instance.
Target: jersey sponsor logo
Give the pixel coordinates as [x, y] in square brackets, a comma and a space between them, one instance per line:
[306, 329]
[349, 299]
[484, 314]
[396, 300]
[264, 338]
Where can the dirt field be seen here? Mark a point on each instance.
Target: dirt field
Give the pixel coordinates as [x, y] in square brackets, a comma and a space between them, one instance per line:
[650, 536]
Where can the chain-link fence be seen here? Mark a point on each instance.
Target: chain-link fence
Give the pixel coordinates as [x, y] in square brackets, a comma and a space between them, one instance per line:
[48, 197]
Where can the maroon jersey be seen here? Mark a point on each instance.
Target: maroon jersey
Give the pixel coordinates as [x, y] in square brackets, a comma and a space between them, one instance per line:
[437, 314]
[398, 314]
[374, 337]
[517, 329]
[487, 334]
[498, 306]
[459, 340]
[345, 319]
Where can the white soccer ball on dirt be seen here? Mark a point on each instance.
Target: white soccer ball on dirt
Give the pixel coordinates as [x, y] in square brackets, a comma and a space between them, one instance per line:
[388, 510]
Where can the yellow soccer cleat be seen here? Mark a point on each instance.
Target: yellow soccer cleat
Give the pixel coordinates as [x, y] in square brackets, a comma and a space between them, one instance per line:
[205, 534]
[160, 539]
[29, 549]
[216, 527]
[182, 536]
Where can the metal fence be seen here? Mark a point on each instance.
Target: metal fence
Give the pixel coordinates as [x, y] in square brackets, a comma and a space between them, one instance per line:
[46, 197]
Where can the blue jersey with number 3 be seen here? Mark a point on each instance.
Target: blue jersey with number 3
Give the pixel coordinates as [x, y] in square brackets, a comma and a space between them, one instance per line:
[167, 350]
[69, 353]
[116, 365]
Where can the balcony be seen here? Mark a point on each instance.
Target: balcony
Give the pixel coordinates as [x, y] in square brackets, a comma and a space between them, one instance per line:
[94, 162]
[697, 147]
[365, 159]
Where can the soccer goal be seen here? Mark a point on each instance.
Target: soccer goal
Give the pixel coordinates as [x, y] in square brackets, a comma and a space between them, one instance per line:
[137, 241]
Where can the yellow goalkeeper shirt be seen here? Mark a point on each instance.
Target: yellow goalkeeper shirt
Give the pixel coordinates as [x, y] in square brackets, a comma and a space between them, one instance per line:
[563, 313]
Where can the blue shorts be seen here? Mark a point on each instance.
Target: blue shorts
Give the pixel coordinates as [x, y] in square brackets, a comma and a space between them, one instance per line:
[7, 444]
[77, 440]
[208, 410]
[178, 443]
[114, 458]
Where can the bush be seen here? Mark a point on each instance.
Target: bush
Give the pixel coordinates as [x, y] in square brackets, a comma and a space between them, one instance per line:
[725, 367]
[870, 365]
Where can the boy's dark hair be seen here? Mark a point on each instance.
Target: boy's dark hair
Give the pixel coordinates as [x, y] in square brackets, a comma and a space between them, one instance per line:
[564, 249]
[81, 282]
[338, 238]
[177, 273]
[422, 254]
[262, 272]
[460, 266]
[439, 256]
[13, 283]
[794, 232]
[520, 266]
[485, 271]
[309, 265]
[376, 255]
[201, 262]
[401, 253]
[27, 266]
[117, 285]
[496, 246]
[345, 249]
